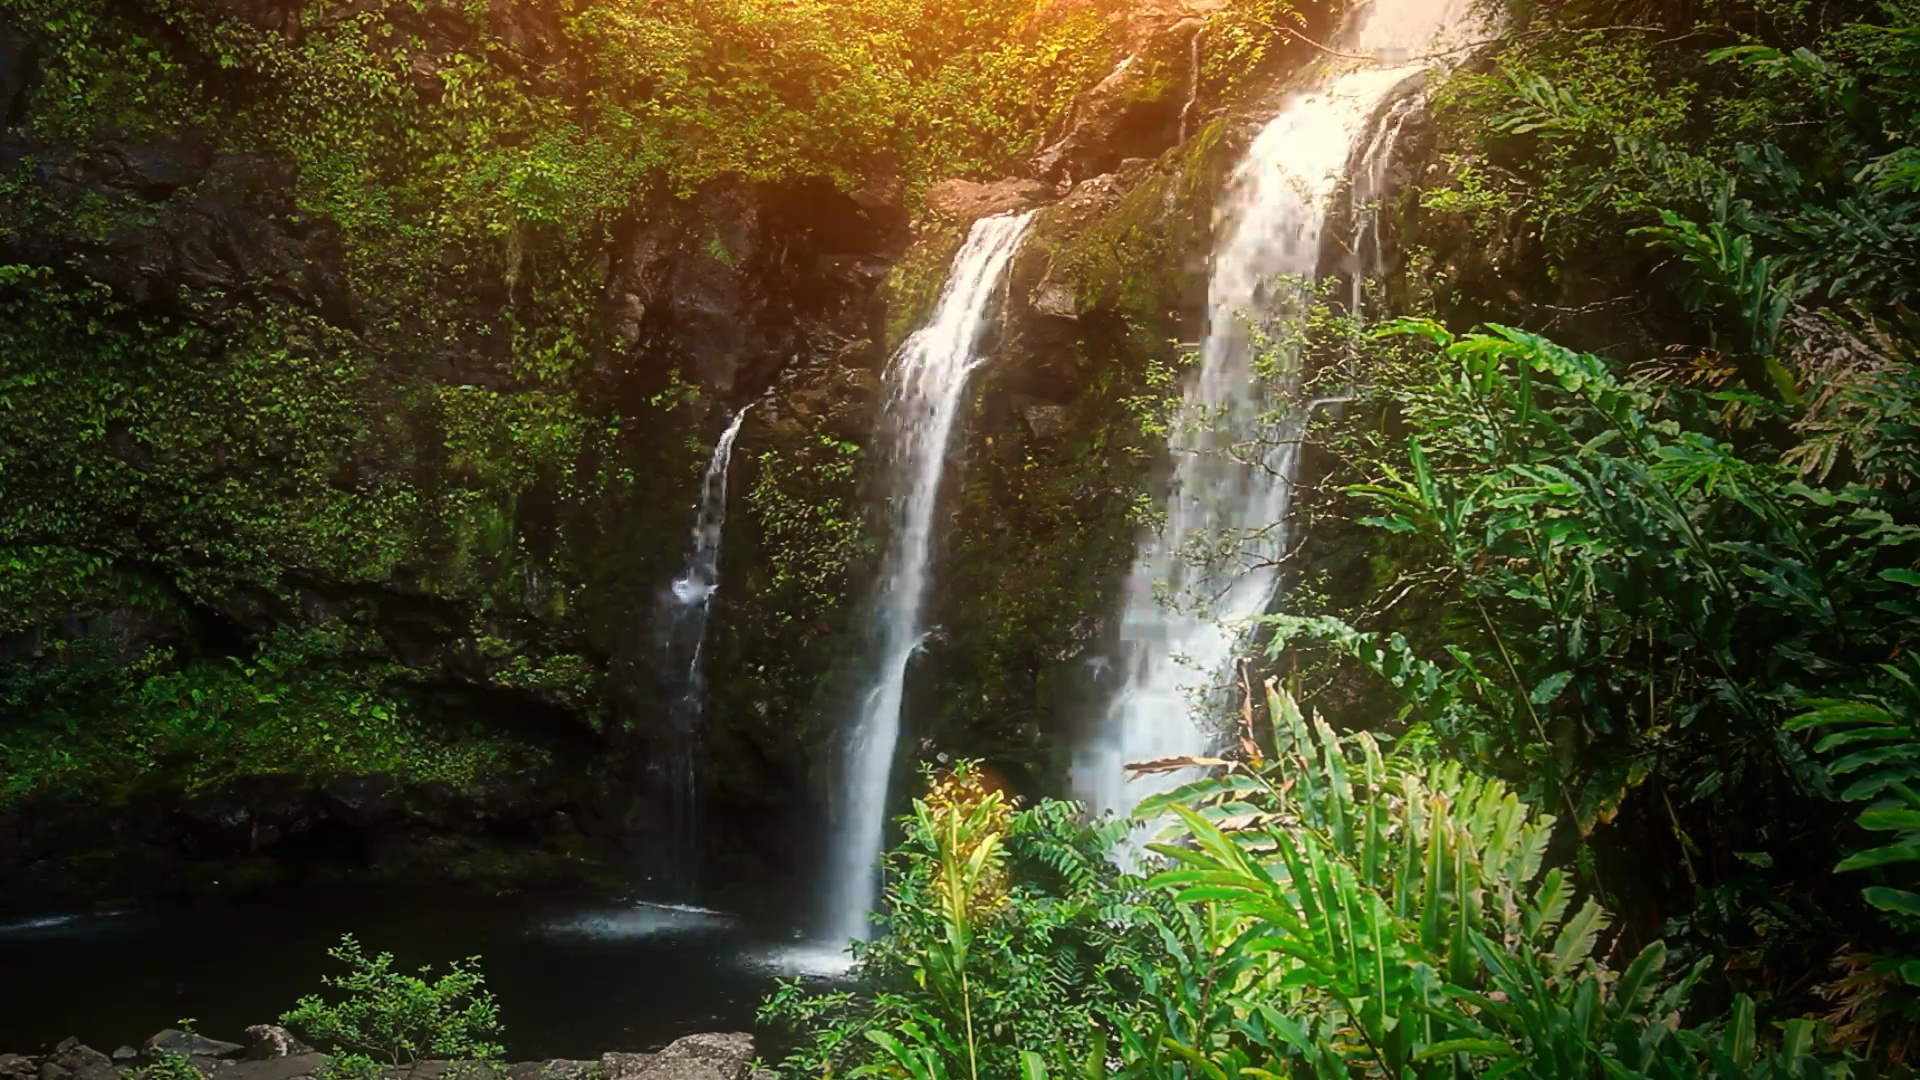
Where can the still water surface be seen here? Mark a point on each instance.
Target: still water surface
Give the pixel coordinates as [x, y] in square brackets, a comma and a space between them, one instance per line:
[574, 978]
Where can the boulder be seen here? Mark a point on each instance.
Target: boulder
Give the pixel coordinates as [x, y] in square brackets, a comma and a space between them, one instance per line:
[70, 1054]
[18, 1067]
[125, 1055]
[83, 1062]
[172, 1041]
[268, 1041]
[155, 169]
[719, 1056]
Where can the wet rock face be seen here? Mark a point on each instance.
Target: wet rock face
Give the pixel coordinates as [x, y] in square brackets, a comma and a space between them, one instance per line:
[223, 232]
[544, 829]
[1144, 104]
[746, 279]
[741, 289]
[965, 200]
[16, 68]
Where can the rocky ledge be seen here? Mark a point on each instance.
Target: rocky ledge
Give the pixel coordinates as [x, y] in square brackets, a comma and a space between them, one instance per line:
[271, 1053]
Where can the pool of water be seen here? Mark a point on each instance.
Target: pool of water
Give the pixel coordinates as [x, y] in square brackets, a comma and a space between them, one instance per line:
[574, 978]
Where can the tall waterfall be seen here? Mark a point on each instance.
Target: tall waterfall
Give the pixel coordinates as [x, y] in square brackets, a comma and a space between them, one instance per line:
[1215, 562]
[684, 612]
[925, 385]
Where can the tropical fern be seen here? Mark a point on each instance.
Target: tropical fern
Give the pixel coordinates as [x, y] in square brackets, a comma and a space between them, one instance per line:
[1874, 745]
[1383, 920]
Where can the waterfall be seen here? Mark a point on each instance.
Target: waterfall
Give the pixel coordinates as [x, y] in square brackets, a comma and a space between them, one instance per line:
[684, 612]
[925, 384]
[1215, 562]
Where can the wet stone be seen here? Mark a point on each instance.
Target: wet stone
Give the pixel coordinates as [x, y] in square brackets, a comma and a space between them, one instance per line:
[172, 1041]
[265, 1041]
[289, 1067]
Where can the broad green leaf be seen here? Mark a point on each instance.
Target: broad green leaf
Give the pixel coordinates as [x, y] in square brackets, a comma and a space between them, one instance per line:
[1880, 856]
[1890, 818]
[1576, 940]
[1898, 901]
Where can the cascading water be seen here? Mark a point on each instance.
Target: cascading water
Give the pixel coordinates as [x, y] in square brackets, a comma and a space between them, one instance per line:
[925, 385]
[684, 612]
[1215, 563]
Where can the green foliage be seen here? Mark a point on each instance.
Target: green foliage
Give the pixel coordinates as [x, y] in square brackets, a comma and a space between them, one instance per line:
[210, 460]
[312, 701]
[1633, 584]
[1849, 219]
[397, 1018]
[1370, 917]
[1875, 748]
[107, 73]
[812, 532]
[1333, 913]
[1004, 930]
[1572, 133]
[168, 1065]
[1727, 275]
[1796, 147]
[1637, 581]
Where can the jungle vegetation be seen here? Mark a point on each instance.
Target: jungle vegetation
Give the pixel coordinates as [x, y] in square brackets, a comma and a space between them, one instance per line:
[1633, 790]
[211, 459]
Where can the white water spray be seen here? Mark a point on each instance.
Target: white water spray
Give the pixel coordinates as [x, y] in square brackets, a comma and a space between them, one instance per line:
[685, 610]
[925, 386]
[1215, 563]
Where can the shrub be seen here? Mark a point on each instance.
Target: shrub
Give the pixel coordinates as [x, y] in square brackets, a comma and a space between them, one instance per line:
[398, 1018]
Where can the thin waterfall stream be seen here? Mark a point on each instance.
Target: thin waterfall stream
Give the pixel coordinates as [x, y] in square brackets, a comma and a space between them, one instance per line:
[1214, 565]
[925, 387]
[687, 607]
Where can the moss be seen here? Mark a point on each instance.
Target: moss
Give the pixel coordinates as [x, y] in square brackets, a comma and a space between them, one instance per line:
[914, 284]
[315, 701]
[1048, 512]
[1130, 258]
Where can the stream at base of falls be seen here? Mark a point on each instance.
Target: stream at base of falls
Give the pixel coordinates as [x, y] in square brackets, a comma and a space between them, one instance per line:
[574, 977]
